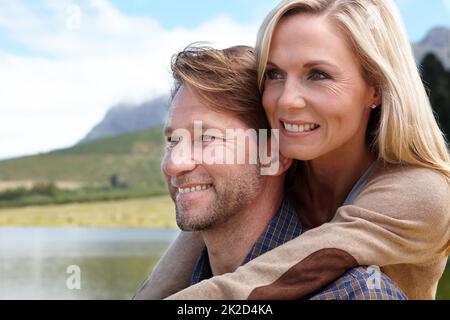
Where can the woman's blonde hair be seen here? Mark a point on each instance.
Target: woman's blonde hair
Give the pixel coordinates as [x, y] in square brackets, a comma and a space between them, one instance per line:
[406, 131]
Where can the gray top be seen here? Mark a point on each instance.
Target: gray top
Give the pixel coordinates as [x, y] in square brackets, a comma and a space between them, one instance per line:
[356, 190]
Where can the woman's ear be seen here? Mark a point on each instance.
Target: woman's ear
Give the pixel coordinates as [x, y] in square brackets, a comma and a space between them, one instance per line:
[377, 96]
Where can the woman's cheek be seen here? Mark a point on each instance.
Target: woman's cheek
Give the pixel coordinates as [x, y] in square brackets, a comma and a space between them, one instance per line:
[269, 104]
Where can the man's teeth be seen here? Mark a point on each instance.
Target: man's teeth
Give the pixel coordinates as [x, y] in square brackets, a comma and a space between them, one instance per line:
[300, 128]
[195, 188]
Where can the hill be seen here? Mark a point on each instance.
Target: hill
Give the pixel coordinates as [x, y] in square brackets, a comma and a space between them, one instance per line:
[119, 167]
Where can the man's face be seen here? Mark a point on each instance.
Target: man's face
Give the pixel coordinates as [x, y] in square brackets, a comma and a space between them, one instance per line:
[205, 195]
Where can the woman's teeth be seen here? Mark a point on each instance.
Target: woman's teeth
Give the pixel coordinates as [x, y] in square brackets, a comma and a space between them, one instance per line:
[194, 188]
[300, 128]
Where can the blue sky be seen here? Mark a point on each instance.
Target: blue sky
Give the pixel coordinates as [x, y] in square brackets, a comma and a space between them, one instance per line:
[175, 13]
[419, 15]
[60, 75]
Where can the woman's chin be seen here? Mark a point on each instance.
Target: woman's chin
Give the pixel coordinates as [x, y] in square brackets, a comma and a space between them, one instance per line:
[298, 153]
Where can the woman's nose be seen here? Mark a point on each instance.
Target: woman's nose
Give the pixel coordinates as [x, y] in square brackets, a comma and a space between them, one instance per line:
[292, 96]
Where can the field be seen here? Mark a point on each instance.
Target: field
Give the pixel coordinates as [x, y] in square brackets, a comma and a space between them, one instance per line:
[155, 212]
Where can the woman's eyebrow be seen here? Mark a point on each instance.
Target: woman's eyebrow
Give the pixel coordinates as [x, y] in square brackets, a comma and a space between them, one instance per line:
[308, 65]
[271, 64]
[315, 63]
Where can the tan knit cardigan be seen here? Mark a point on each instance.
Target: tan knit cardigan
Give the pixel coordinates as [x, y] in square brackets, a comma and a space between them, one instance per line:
[400, 222]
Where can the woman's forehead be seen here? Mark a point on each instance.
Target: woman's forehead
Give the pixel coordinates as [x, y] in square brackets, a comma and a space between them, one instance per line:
[306, 37]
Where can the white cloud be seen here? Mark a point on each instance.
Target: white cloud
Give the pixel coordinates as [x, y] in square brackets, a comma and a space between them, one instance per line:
[51, 98]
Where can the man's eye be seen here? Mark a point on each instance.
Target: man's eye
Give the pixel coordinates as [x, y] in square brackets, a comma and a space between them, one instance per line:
[173, 140]
[209, 138]
[316, 75]
[273, 74]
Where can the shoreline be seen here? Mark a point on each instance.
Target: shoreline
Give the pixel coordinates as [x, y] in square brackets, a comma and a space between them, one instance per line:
[154, 213]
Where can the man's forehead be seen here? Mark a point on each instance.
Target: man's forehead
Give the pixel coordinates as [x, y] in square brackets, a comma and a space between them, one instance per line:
[202, 122]
[185, 114]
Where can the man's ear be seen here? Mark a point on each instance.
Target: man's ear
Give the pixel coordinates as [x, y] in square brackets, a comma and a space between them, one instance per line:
[285, 164]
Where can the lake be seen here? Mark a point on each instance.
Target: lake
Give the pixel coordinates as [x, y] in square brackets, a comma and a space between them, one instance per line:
[112, 262]
[38, 263]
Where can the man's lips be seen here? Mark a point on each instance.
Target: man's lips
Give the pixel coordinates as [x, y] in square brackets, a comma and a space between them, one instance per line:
[192, 187]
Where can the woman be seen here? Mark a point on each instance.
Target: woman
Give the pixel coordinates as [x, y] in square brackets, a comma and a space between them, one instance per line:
[339, 80]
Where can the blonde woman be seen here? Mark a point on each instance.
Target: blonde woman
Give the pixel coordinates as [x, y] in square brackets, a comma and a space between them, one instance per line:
[372, 182]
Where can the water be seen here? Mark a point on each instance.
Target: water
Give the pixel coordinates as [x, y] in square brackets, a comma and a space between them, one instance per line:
[113, 262]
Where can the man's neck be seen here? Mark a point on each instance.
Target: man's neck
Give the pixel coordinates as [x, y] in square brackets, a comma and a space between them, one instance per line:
[229, 243]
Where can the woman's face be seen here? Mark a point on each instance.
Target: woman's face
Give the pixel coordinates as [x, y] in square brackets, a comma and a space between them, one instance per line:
[314, 90]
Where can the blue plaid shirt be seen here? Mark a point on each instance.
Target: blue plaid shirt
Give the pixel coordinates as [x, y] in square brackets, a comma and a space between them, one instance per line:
[360, 283]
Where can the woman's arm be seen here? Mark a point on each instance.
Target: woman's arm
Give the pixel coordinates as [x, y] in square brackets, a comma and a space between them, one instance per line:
[173, 272]
[401, 217]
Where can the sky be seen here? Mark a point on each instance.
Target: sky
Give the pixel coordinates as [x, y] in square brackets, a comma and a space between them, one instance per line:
[64, 63]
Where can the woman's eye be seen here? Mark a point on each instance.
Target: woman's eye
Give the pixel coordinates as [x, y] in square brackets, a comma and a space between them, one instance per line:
[318, 75]
[273, 74]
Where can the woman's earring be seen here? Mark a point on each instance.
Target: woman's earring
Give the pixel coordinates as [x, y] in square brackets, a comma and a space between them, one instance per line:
[374, 106]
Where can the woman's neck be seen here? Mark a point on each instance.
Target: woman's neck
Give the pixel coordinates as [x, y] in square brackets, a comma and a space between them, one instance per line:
[329, 180]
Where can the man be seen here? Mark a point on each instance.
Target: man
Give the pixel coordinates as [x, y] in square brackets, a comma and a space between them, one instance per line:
[239, 213]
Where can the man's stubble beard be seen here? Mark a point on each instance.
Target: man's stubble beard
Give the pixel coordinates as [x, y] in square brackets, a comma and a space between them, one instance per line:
[228, 201]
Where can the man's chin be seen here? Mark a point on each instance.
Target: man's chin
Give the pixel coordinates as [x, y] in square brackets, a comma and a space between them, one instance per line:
[194, 226]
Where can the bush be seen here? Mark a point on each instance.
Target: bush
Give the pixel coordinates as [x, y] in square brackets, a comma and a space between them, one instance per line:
[48, 189]
[45, 188]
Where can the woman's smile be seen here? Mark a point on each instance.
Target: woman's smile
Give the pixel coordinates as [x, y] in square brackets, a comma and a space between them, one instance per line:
[292, 128]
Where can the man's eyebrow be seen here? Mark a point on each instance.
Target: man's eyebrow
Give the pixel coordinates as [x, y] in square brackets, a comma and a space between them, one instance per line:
[167, 131]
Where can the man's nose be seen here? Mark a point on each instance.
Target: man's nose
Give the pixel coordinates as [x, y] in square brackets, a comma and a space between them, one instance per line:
[177, 163]
[292, 96]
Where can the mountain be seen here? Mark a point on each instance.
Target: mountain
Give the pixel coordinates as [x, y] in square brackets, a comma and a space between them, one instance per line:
[437, 41]
[126, 118]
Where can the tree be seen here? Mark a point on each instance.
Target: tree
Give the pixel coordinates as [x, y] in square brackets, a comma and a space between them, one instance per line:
[437, 81]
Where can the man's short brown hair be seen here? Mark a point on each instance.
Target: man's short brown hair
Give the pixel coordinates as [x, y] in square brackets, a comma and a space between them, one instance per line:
[226, 80]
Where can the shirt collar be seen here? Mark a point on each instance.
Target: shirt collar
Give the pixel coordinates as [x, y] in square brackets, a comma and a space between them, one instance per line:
[283, 227]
